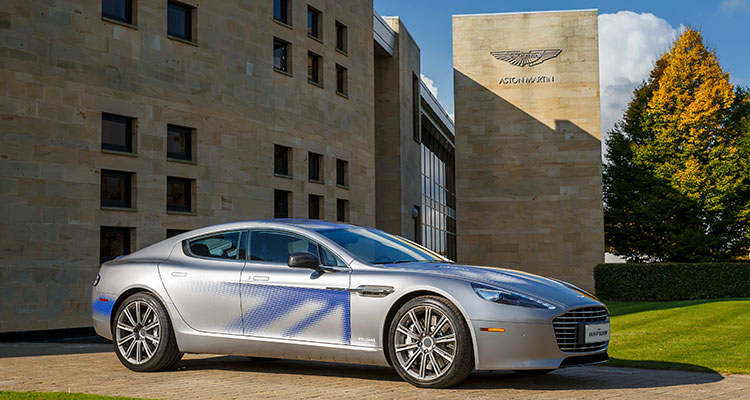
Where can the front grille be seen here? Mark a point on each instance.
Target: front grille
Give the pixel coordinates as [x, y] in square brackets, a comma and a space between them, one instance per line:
[569, 329]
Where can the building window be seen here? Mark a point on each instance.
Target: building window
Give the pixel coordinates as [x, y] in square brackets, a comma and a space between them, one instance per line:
[117, 133]
[341, 84]
[416, 104]
[179, 194]
[282, 160]
[281, 203]
[179, 20]
[280, 55]
[315, 167]
[313, 68]
[118, 10]
[281, 11]
[314, 205]
[313, 23]
[342, 210]
[438, 208]
[116, 189]
[340, 37]
[175, 232]
[114, 241]
[342, 173]
[179, 142]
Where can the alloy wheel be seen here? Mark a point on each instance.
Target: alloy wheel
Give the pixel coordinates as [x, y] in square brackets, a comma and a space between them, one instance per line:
[138, 332]
[425, 342]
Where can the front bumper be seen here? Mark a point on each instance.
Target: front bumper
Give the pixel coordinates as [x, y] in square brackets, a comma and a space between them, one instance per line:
[524, 346]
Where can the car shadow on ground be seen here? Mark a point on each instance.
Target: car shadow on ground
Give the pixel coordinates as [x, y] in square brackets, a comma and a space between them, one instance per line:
[33, 349]
[574, 378]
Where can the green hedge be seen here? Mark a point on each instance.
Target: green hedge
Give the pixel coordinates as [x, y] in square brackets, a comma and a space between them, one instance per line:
[672, 281]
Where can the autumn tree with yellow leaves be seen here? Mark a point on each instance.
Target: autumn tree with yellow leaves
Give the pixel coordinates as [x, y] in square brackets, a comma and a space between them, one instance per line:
[677, 176]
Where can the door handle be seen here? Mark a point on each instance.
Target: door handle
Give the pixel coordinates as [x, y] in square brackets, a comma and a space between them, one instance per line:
[260, 278]
[179, 274]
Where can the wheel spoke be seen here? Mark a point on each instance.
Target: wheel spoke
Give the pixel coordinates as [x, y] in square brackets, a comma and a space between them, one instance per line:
[446, 339]
[440, 324]
[406, 332]
[124, 327]
[149, 310]
[415, 321]
[411, 360]
[153, 325]
[154, 340]
[435, 366]
[130, 317]
[125, 339]
[443, 353]
[423, 366]
[148, 350]
[130, 348]
[138, 351]
[138, 312]
[403, 347]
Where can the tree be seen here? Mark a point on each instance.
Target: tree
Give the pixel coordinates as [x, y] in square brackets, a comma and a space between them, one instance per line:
[677, 179]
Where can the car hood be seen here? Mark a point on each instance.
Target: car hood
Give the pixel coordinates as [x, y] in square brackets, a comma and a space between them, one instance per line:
[517, 281]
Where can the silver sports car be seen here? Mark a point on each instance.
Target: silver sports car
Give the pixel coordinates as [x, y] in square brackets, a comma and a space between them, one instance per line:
[314, 290]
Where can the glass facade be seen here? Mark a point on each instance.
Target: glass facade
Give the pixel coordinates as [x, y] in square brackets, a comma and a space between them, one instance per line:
[438, 209]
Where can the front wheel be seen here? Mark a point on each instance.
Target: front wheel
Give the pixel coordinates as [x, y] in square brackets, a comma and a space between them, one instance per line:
[429, 343]
[143, 336]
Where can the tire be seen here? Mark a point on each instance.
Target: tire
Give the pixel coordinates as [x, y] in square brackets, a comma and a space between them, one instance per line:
[442, 357]
[262, 359]
[143, 336]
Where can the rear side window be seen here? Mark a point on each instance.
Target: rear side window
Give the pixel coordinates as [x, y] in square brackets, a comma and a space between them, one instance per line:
[276, 247]
[225, 245]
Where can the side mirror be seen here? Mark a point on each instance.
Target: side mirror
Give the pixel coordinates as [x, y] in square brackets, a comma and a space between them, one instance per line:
[303, 260]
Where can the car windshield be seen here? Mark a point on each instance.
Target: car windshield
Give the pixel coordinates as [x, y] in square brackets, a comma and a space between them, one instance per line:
[377, 247]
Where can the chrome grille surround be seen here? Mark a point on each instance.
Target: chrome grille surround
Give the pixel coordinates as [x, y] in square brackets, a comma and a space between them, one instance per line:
[568, 327]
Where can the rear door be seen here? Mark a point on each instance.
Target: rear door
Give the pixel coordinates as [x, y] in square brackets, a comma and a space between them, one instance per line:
[203, 281]
[293, 303]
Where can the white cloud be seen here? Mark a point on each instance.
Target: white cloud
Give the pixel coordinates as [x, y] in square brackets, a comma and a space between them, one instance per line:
[629, 45]
[430, 84]
[735, 4]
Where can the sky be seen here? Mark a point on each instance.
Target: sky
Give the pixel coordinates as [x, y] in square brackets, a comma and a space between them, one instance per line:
[632, 35]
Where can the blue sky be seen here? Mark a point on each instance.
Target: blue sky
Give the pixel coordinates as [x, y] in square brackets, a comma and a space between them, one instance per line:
[724, 25]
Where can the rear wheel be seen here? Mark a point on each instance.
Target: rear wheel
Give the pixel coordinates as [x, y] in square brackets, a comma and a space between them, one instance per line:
[143, 337]
[429, 343]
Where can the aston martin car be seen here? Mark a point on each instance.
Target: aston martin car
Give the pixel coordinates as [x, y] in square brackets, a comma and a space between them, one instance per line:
[313, 290]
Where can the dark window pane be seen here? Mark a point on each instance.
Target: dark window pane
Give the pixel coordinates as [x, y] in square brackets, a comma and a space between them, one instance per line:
[113, 242]
[342, 210]
[276, 247]
[340, 36]
[416, 100]
[342, 173]
[178, 21]
[313, 22]
[341, 79]
[116, 189]
[281, 160]
[279, 55]
[121, 10]
[225, 245]
[175, 232]
[179, 142]
[281, 204]
[117, 133]
[313, 206]
[329, 259]
[179, 194]
[280, 11]
[313, 68]
[313, 167]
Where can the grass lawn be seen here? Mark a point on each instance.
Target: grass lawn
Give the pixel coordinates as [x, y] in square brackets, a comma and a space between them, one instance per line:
[696, 335]
[56, 396]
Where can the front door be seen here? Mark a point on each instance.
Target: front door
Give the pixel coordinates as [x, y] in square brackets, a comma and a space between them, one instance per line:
[293, 303]
[203, 281]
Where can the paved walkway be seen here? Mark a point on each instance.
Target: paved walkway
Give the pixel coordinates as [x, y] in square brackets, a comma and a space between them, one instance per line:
[94, 368]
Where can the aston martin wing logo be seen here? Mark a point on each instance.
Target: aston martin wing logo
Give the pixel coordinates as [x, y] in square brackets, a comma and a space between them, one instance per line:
[529, 58]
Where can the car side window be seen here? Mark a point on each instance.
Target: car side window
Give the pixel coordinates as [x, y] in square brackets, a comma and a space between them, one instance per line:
[276, 247]
[329, 259]
[224, 245]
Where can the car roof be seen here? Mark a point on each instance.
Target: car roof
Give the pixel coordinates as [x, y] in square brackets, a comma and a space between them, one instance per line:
[311, 224]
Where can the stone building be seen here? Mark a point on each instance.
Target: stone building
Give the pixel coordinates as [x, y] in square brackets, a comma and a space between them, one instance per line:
[127, 121]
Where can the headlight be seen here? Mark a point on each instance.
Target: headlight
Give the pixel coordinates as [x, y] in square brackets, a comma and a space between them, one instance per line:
[504, 296]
